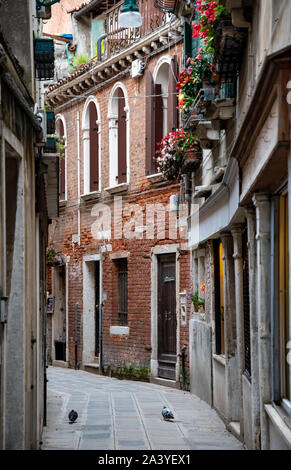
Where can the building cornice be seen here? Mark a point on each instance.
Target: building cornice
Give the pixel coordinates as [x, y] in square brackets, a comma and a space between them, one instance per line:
[81, 82]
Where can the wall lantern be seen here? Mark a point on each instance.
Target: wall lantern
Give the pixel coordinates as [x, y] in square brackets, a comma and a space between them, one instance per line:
[43, 3]
[130, 17]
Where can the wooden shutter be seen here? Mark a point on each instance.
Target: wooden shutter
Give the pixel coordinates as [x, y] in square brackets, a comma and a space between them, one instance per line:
[121, 138]
[150, 123]
[62, 166]
[172, 98]
[94, 164]
[159, 114]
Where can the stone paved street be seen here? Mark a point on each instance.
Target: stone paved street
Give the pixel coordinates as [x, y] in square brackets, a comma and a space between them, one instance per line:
[126, 415]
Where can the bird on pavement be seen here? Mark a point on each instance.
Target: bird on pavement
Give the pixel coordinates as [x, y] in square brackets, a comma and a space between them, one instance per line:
[73, 415]
[167, 414]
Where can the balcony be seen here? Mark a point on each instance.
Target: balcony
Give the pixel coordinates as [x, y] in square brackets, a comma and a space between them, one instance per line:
[117, 39]
[211, 106]
[228, 46]
[117, 48]
[44, 58]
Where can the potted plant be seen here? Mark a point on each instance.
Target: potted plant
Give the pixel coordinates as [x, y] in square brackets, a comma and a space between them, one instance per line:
[210, 13]
[198, 301]
[53, 258]
[172, 152]
[199, 73]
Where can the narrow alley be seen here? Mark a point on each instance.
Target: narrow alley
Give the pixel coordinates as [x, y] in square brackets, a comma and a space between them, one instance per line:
[121, 415]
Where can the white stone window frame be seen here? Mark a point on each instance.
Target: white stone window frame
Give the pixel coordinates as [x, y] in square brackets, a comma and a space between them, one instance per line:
[86, 145]
[60, 117]
[160, 77]
[155, 252]
[113, 136]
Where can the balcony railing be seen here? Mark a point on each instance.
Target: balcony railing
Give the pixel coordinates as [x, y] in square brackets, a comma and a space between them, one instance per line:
[119, 38]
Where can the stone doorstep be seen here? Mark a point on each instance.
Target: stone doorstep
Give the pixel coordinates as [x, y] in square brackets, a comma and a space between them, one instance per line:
[234, 428]
[92, 367]
[165, 382]
[63, 364]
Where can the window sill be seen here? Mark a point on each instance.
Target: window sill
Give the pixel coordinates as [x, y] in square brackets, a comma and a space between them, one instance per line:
[119, 188]
[119, 330]
[62, 203]
[279, 423]
[89, 196]
[219, 359]
[155, 178]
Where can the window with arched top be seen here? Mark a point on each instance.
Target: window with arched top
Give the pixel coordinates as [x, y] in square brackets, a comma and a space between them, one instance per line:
[161, 106]
[118, 137]
[91, 130]
[61, 134]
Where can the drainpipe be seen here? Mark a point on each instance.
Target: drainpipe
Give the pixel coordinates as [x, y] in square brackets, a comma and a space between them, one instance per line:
[79, 181]
[101, 310]
[68, 56]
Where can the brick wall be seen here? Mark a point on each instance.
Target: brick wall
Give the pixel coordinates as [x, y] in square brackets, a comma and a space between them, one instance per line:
[135, 348]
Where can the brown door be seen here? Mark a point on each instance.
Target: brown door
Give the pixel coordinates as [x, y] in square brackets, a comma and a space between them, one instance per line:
[167, 321]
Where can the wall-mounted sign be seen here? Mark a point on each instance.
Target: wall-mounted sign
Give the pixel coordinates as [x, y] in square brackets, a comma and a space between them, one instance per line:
[50, 305]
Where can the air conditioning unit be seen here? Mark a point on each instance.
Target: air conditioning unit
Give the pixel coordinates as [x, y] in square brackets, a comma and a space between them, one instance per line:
[137, 67]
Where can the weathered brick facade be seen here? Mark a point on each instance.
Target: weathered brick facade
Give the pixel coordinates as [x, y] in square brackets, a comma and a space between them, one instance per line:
[136, 347]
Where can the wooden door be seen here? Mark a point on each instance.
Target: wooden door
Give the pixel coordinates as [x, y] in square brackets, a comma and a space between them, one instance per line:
[167, 320]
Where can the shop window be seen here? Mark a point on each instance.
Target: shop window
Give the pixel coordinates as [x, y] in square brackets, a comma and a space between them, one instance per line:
[284, 313]
[219, 297]
[246, 304]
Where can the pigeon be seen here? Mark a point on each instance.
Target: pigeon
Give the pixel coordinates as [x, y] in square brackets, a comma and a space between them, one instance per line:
[73, 415]
[167, 414]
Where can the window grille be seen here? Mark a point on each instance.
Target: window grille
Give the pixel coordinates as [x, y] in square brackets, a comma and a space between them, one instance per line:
[122, 292]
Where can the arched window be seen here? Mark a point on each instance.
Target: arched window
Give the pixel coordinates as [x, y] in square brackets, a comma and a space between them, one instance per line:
[161, 106]
[61, 133]
[91, 146]
[118, 137]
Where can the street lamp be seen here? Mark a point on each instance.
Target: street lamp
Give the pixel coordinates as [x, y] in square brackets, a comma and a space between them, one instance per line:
[130, 17]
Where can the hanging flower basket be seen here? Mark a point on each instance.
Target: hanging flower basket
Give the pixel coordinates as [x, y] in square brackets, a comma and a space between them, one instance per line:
[191, 160]
[171, 151]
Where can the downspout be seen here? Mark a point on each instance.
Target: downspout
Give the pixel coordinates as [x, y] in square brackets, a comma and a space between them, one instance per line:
[79, 181]
[68, 56]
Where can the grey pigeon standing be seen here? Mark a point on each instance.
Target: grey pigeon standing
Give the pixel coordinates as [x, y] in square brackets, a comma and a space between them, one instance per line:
[73, 415]
[167, 414]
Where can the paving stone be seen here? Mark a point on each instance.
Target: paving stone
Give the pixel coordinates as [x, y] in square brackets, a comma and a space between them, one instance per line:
[129, 414]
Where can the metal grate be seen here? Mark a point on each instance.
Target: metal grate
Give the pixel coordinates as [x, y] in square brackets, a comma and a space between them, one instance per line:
[122, 292]
[246, 305]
